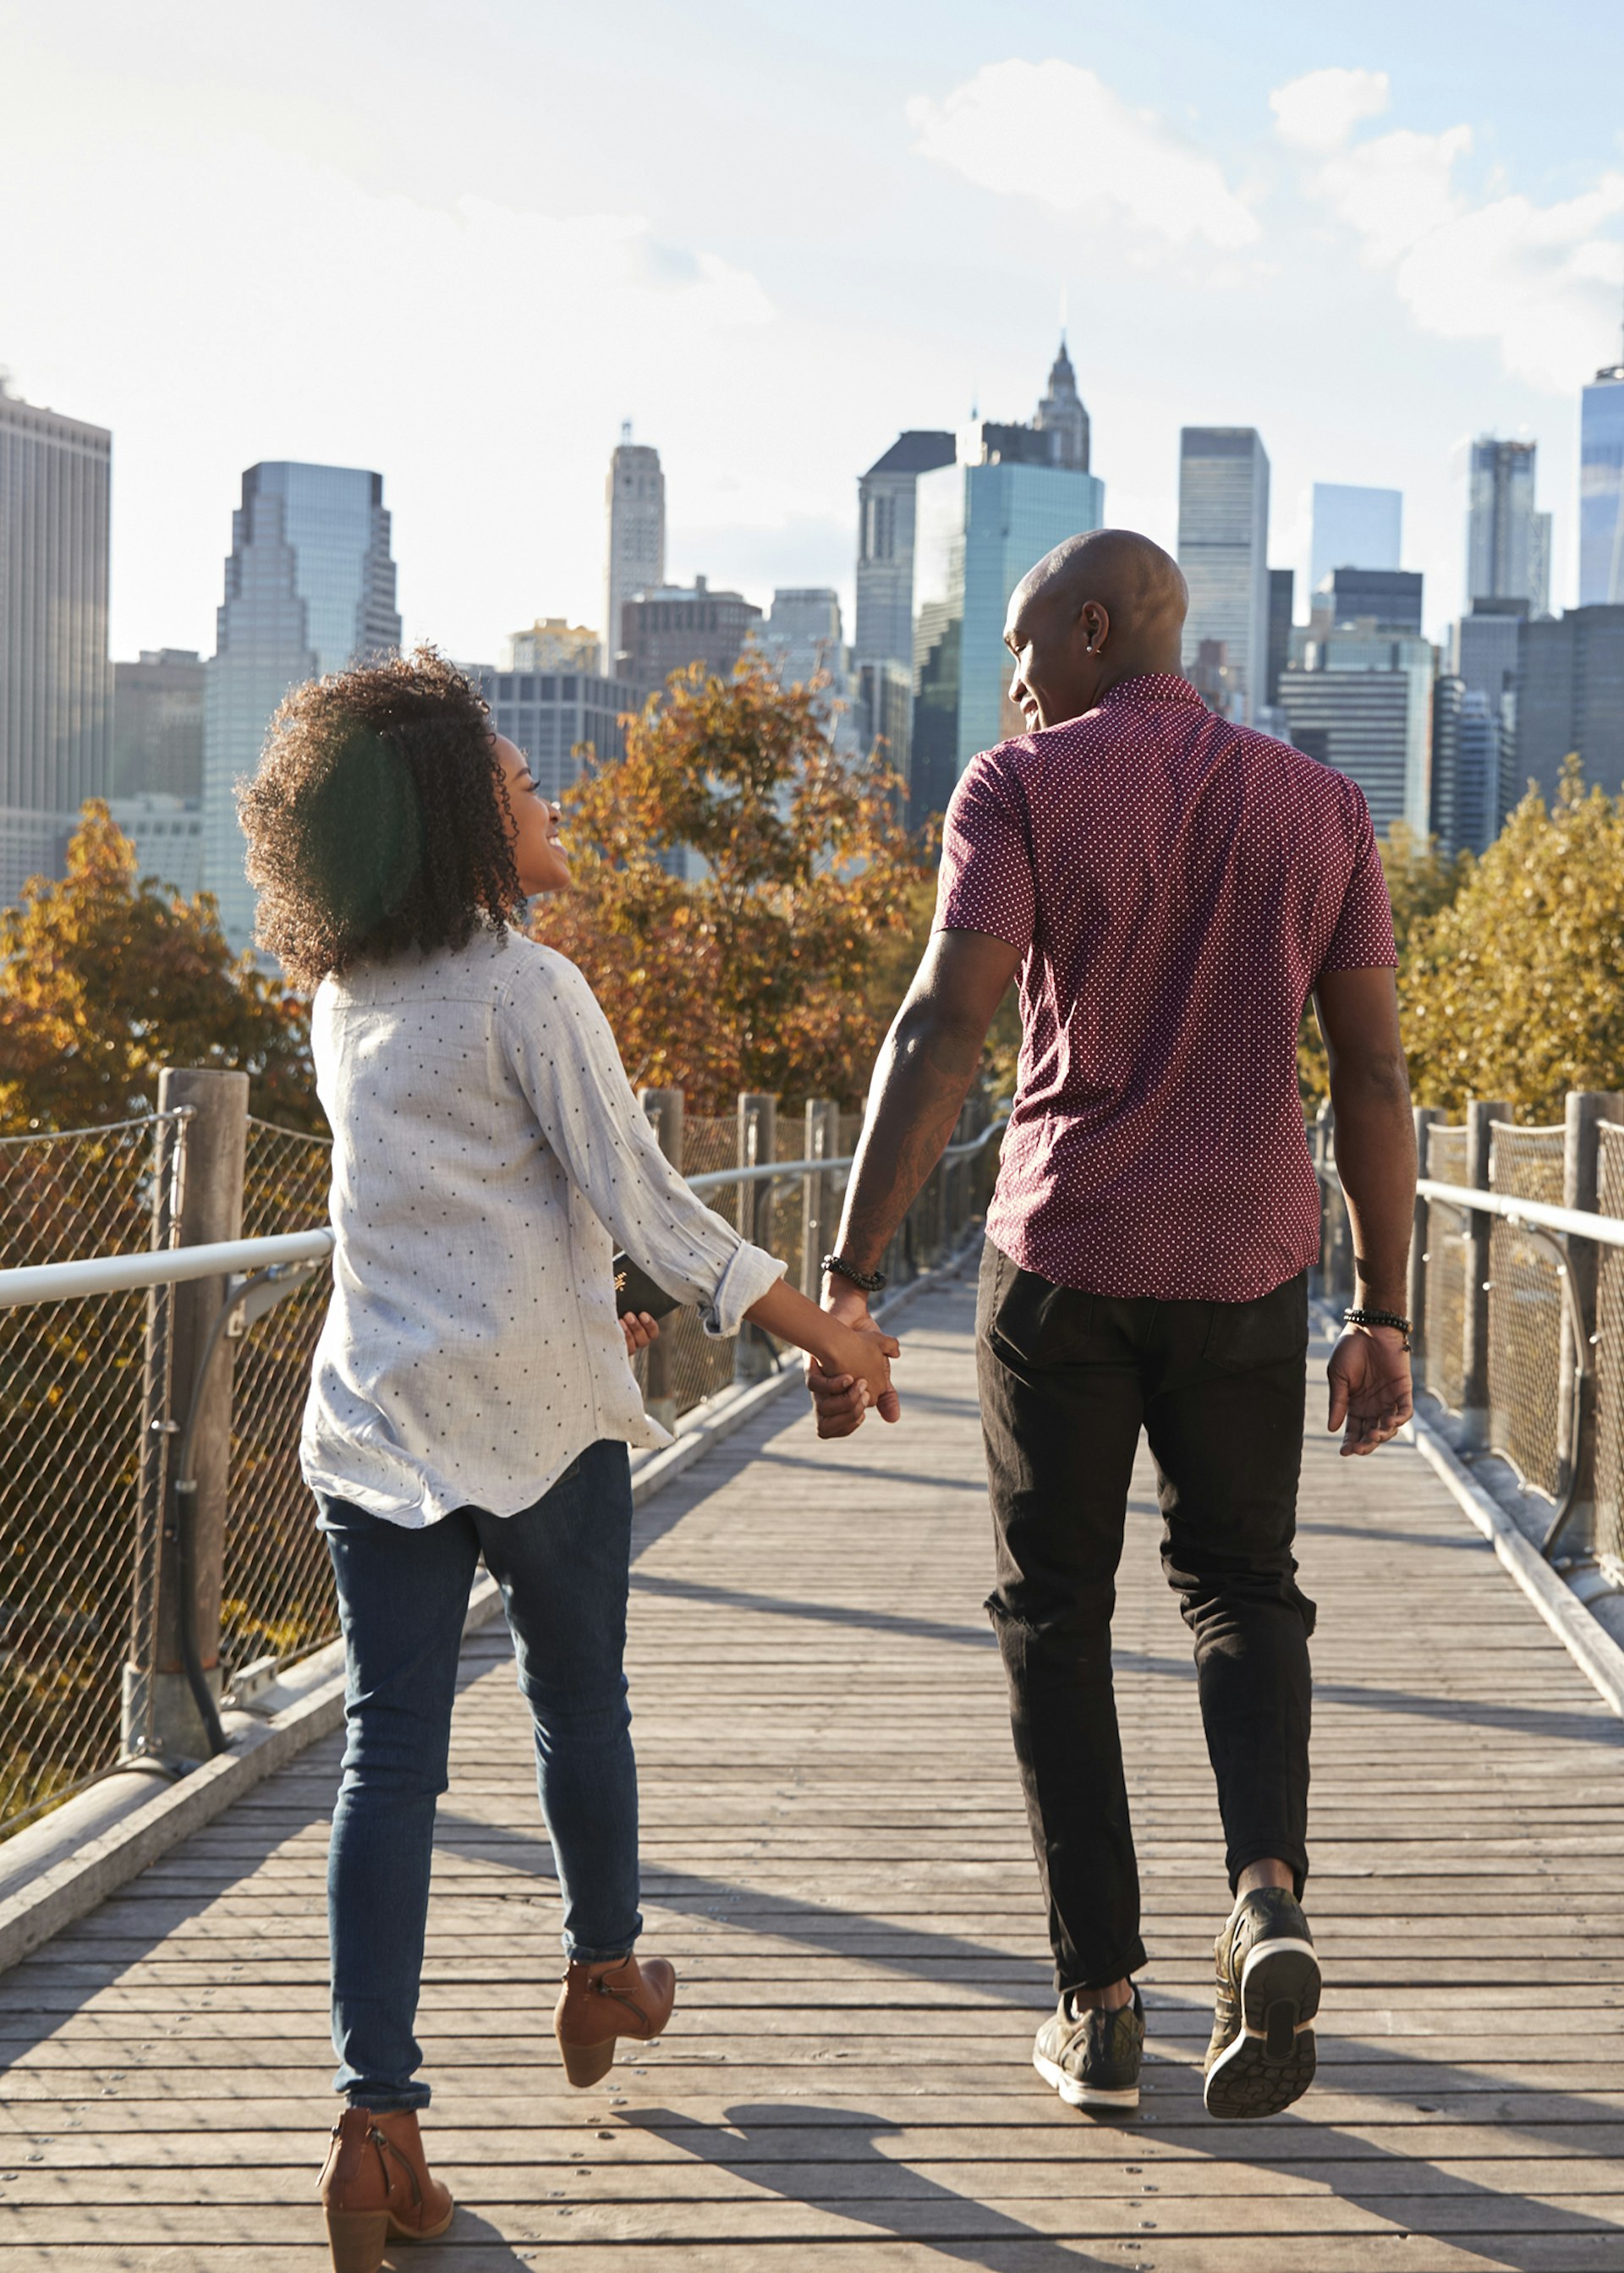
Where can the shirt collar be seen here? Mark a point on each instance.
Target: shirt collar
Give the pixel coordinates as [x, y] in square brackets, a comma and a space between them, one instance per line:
[1151, 687]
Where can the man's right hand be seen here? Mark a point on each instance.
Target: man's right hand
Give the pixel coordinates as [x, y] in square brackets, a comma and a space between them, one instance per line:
[841, 1393]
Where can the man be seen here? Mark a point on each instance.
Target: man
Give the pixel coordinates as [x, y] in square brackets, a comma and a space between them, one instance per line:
[1170, 889]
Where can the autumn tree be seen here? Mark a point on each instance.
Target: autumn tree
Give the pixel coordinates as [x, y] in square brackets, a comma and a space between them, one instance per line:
[1514, 989]
[759, 970]
[1420, 882]
[106, 977]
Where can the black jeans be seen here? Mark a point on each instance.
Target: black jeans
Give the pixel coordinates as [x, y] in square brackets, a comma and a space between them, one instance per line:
[1067, 1380]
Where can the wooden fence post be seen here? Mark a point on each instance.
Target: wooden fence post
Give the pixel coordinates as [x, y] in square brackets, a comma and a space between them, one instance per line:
[754, 1356]
[1419, 1237]
[664, 1108]
[1481, 1114]
[160, 1714]
[822, 1143]
[1586, 1111]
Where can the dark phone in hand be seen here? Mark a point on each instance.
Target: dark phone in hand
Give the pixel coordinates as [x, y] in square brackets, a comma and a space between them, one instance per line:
[636, 1291]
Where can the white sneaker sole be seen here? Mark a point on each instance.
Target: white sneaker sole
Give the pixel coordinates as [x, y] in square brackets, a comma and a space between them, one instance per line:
[1082, 2094]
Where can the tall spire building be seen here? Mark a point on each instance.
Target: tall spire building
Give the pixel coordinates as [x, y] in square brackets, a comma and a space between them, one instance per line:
[634, 505]
[1061, 416]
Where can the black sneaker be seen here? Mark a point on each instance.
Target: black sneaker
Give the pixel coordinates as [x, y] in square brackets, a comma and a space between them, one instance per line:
[1093, 2060]
[1262, 2055]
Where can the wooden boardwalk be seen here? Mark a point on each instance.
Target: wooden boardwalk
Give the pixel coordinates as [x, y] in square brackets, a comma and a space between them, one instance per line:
[836, 1859]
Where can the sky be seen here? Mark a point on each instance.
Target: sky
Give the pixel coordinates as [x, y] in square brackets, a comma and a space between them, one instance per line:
[460, 244]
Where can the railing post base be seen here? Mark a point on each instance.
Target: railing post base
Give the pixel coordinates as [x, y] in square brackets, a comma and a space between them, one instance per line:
[158, 1716]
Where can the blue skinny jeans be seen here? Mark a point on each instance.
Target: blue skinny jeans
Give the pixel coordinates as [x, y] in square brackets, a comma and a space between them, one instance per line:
[563, 1566]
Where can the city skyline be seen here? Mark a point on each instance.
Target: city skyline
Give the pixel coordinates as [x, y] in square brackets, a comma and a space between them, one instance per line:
[1406, 246]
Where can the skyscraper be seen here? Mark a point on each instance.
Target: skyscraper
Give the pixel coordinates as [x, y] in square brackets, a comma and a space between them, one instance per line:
[802, 640]
[1507, 543]
[56, 685]
[670, 626]
[883, 646]
[555, 716]
[158, 725]
[1485, 647]
[885, 625]
[1223, 551]
[1469, 801]
[1282, 604]
[635, 504]
[1601, 489]
[1354, 527]
[1390, 597]
[981, 524]
[1570, 698]
[1361, 700]
[551, 644]
[310, 589]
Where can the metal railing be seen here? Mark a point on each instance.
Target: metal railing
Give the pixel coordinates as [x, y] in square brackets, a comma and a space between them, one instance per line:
[1517, 1299]
[160, 1296]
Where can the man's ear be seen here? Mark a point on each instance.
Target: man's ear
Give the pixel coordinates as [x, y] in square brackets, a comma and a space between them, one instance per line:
[1094, 623]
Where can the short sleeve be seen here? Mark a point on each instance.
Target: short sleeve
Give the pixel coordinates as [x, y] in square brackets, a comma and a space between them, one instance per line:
[1363, 936]
[987, 882]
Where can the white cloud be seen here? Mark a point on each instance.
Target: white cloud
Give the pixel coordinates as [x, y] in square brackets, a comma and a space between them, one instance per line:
[1057, 132]
[1321, 109]
[1541, 281]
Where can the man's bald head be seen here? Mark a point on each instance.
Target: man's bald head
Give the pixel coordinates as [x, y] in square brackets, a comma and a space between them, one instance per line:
[1101, 607]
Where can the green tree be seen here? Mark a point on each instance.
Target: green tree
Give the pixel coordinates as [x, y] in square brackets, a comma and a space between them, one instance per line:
[106, 977]
[1515, 987]
[765, 970]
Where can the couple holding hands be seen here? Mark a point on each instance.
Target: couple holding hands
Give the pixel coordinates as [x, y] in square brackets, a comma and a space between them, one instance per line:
[1170, 889]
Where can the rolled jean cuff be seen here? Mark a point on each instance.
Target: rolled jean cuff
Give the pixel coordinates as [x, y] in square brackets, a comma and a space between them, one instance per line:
[376, 2101]
[579, 1953]
[1134, 1960]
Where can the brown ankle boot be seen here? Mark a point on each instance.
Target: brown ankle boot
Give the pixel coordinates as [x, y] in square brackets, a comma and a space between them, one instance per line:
[598, 2003]
[375, 2188]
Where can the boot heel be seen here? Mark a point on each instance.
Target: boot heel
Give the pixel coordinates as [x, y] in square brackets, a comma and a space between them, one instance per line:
[586, 2063]
[357, 2239]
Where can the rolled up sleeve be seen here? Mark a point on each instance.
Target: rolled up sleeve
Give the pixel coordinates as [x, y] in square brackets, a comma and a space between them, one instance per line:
[569, 1068]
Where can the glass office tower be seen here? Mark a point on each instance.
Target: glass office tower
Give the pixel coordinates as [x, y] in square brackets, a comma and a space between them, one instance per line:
[56, 682]
[1601, 491]
[1354, 527]
[977, 530]
[310, 589]
[1224, 552]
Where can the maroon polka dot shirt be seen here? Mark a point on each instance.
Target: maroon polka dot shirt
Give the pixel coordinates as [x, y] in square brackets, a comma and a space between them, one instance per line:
[1176, 884]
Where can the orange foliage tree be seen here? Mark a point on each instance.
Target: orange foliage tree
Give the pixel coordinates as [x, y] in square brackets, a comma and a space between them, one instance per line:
[756, 970]
[106, 977]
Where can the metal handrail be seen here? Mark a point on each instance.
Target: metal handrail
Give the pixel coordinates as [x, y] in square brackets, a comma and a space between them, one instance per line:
[119, 1274]
[1578, 1223]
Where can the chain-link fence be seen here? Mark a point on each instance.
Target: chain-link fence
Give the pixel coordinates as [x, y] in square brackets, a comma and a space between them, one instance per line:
[1525, 1310]
[1446, 1261]
[278, 1598]
[1610, 1357]
[89, 1578]
[71, 1387]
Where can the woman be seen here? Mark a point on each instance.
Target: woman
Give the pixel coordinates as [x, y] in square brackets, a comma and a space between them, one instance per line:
[471, 1394]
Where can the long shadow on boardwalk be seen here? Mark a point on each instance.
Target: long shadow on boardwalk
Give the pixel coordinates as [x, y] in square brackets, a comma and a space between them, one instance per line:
[1365, 2179]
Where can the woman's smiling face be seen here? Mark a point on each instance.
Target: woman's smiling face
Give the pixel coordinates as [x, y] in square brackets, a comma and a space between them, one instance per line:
[537, 854]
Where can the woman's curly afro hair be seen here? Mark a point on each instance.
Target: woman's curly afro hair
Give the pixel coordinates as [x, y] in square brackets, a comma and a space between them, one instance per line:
[378, 822]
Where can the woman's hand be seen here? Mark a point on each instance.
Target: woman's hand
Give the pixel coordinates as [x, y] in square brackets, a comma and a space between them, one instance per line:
[639, 1330]
[858, 1360]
